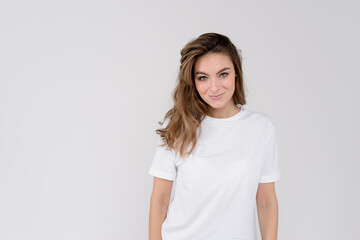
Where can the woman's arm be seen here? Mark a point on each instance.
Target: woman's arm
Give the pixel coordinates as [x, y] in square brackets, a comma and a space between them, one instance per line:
[267, 208]
[159, 203]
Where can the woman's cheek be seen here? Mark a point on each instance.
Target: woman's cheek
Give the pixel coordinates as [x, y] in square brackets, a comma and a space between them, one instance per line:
[230, 83]
[201, 88]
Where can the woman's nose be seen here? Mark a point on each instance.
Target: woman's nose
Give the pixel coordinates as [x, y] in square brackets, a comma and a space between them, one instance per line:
[214, 84]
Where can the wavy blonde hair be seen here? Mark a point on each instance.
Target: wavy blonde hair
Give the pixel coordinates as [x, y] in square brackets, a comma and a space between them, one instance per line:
[184, 119]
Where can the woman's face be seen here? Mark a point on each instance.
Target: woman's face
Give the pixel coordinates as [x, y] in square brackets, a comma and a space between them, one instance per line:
[215, 80]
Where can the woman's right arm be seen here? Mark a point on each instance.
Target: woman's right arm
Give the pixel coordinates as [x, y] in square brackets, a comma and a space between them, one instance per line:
[159, 203]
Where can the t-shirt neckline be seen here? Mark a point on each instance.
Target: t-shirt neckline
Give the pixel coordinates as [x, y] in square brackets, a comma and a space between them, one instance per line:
[232, 118]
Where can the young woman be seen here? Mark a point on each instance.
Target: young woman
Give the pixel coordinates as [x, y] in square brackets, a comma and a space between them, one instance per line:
[223, 157]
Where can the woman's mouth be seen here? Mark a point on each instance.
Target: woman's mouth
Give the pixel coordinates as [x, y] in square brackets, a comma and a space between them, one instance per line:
[216, 97]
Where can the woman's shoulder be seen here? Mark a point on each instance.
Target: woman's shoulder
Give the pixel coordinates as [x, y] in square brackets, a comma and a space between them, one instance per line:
[260, 117]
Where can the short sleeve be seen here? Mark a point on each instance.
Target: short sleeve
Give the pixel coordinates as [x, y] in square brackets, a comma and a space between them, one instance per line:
[270, 171]
[163, 163]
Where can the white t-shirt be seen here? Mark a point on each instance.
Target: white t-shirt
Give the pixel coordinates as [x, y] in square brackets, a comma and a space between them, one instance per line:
[214, 189]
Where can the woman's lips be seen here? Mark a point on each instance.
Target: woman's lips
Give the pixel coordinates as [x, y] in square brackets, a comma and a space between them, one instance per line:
[216, 97]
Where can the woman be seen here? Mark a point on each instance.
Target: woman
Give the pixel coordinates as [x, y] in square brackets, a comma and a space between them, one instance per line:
[223, 157]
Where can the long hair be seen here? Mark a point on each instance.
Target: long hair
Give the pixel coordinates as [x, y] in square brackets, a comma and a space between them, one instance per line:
[184, 119]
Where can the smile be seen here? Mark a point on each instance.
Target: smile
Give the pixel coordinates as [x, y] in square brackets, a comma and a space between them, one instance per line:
[216, 97]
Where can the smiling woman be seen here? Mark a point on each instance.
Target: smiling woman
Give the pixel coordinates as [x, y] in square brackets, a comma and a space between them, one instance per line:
[221, 157]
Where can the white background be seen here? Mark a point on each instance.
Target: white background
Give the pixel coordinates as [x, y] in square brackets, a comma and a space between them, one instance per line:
[83, 84]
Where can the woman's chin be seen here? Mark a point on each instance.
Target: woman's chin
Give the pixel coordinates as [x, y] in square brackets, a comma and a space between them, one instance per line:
[216, 105]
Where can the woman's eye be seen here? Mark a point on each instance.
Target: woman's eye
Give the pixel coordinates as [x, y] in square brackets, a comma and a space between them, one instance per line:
[223, 74]
[202, 78]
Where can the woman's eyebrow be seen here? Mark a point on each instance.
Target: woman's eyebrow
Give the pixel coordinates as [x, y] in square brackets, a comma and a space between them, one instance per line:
[225, 68]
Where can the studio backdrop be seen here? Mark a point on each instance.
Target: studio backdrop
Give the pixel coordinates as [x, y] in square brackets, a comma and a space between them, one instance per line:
[84, 83]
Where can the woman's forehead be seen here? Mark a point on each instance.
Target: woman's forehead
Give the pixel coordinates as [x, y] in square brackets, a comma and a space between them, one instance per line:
[213, 62]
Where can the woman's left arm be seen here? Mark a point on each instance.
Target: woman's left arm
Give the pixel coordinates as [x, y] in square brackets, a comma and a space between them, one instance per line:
[267, 208]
